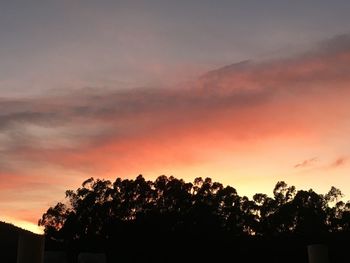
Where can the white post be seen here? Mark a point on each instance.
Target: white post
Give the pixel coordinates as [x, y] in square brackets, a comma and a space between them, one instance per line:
[30, 248]
[318, 253]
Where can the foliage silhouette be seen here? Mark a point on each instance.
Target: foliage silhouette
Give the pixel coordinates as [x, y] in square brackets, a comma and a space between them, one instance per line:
[131, 213]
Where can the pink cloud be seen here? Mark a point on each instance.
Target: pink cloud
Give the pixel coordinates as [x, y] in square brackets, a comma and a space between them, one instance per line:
[341, 161]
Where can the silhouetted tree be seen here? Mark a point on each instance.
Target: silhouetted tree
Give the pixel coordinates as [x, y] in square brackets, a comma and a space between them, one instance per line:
[100, 211]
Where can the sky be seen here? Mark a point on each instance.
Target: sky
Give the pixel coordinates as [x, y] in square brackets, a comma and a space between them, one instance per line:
[245, 92]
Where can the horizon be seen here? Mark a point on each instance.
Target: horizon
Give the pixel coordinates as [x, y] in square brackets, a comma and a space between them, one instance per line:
[25, 225]
[246, 93]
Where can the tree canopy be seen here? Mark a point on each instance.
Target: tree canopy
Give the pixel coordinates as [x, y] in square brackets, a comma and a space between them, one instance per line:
[103, 210]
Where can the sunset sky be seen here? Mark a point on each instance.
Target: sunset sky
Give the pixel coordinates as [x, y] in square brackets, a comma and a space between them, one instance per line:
[245, 92]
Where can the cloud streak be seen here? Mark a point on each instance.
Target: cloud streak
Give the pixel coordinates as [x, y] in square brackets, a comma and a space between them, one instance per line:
[306, 163]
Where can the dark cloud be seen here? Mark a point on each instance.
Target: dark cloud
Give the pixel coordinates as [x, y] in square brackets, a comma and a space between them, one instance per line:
[339, 43]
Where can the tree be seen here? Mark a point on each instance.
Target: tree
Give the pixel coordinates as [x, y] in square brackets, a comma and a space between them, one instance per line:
[101, 210]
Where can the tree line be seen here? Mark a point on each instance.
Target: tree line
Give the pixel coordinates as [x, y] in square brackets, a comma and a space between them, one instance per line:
[102, 210]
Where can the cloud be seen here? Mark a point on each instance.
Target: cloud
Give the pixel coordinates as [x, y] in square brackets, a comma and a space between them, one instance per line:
[226, 108]
[128, 131]
[146, 127]
[341, 161]
[306, 163]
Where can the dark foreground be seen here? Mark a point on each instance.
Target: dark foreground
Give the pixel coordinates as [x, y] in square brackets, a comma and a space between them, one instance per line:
[191, 247]
[201, 248]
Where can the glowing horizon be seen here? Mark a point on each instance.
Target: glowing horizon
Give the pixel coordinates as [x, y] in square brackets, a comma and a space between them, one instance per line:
[26, 225]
